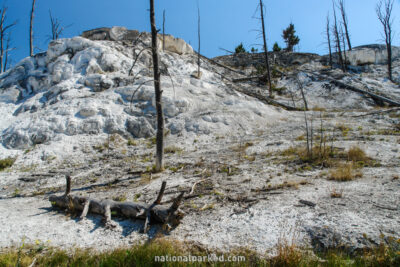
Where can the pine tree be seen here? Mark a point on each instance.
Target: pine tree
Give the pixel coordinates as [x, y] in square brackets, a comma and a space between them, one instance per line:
[290, 38]
[276, 47]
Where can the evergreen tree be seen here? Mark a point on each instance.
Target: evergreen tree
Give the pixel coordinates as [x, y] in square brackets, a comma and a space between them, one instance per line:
[240, 49]
[290, 38]
[276, 47]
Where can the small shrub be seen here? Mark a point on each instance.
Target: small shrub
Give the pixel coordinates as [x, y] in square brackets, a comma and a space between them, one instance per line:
[6, 163]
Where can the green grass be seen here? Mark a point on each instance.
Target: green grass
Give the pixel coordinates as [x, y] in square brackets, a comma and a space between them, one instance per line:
[6, 163]
[386, 254]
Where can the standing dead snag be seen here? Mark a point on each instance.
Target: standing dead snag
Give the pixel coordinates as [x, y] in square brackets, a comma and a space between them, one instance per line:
[345, 22]
[158, 92]
[265, 48]
[31, 29]
[328, 37]
[153, 213]
[3, 32]
[384, 14]
[336, 34]
[198, 34]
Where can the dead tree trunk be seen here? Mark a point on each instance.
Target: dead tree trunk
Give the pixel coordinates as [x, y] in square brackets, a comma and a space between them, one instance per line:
[151, 213]
[344, 48]
[198, 33]
[328, 37]
[31, 29]
[345, 23]
[3, 31]
[384, 15]
[163, 31]
[337, 40]
[158, 92]
[265, 48]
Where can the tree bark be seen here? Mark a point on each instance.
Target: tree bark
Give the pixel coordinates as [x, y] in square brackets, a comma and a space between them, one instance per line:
[158, 92]
[265, 48]
[31, 29]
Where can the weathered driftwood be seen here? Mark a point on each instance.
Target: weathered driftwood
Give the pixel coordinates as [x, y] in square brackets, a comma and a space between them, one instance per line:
[151, 213]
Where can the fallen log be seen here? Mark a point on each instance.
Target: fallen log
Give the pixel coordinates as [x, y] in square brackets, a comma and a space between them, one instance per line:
[151, 213]
[377, 98]
[265, 99]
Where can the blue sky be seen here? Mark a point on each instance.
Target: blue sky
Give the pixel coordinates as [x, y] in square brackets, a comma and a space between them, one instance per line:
[224, 23]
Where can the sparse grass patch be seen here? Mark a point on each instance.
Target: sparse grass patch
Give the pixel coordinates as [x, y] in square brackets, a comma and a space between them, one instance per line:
[229, 170]
[344, 129]
[317, 108]
[173, 150]
[120, 198]
[132, 142]
[6, 163]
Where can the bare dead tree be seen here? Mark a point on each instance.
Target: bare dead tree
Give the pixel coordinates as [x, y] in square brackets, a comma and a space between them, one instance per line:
[265, 48]
[56, 28]
[3, 33]
[345, 22]
[337, 39]
[158, 93]
[7, 59]
[384, 13]
[199, 37]
[31, 28]
[328, 37]
[342, 34]
[163, 31]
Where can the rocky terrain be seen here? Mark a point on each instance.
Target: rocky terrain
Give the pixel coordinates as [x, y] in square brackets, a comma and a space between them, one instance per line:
[86, 107]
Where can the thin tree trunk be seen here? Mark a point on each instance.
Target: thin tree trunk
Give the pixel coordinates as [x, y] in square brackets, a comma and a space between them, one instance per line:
[158, 92]
[265, 48]
[384, 17]
[7, 50]
[163, 31]
[31, 29]
[344, 50]
[3, 12]
[198, 33]
[389, 51]
[328, 36]
[337, 40]
[345, 22]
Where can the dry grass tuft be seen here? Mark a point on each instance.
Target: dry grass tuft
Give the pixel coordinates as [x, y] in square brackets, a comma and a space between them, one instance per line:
[356, 154]
[344, 172]
[335, 193]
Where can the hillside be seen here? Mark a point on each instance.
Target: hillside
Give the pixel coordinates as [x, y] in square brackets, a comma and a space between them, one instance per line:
[81, 108]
